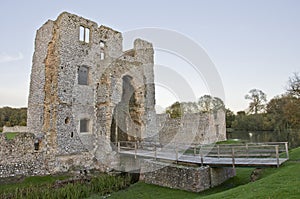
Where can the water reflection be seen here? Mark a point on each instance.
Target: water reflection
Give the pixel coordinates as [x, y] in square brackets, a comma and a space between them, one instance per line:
[292, 137]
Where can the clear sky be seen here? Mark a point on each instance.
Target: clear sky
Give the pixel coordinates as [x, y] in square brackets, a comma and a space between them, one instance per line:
[253, 44]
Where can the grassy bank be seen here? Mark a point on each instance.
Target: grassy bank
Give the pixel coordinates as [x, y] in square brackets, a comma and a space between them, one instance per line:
[283, 182]
[146, 191]
[47, 188]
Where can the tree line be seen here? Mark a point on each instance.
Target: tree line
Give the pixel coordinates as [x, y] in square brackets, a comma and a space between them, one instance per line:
[279, 114]
[204, 104]
[13, 116]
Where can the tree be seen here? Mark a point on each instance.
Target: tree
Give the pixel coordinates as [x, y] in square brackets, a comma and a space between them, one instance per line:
[208, 103]
[258, 99]
[284, 112]
[205, 103]
[230, 117]
[293, 86]
[218, 104]
[174, 110]
[189, 107]
[13, 116]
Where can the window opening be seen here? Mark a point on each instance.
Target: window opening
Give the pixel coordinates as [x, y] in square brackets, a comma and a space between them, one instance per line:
[84, 125]
[83, 75]
[101, 55]
[102, 44]
[84, 34]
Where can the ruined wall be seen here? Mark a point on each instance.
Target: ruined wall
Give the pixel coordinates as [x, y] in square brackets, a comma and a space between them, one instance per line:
[77, 86]
[187, 178]
[19, 157]
[19, 129]
[35, 112]
[192, 128]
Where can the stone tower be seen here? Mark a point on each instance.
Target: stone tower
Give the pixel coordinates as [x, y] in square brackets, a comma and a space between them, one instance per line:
[86, 93]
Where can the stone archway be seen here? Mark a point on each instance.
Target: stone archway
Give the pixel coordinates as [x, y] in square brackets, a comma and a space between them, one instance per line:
[126, 121]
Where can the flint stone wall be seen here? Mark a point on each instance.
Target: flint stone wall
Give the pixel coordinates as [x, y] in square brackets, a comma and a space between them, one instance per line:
[195, 179]
[198, 128]
[18, 156]
[58, 103]
[15, 129]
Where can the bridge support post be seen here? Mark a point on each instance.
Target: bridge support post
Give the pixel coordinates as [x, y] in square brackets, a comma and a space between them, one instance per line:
[119, 147]
[247, 150]
[218, 147]
[135, 150]
[176, 151]
[201, 156]
[277, 155]
[287, 150]
[233, 159]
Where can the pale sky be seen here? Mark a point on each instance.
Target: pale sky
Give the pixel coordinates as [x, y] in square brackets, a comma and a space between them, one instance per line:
[253, 44]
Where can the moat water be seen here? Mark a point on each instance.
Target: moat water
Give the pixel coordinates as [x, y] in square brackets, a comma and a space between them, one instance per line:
[292, 137]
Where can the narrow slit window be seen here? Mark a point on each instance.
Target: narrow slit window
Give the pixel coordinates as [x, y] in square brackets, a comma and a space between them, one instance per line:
[83, 75]
[102, 44]
[84, 34]
[87, 35]
[101, 55]
[81, 34]
[84, 126]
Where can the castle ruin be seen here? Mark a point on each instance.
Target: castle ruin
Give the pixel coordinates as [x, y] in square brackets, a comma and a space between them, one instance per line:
[87, 94]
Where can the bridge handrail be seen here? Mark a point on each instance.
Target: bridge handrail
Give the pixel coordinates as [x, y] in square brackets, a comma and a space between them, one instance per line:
[268, 149]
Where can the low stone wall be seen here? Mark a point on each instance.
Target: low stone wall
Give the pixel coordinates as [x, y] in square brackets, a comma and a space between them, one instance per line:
[18, 156]
[15, 129]
[182, 177]
[197, 128]
[220, 175]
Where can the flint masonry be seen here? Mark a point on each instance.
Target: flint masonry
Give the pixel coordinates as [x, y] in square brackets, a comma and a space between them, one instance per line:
[85, 92]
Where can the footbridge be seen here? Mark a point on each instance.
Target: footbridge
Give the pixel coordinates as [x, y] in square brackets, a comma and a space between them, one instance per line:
[268, 154]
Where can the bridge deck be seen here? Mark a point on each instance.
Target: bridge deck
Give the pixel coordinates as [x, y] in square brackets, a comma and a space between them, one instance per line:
[262, 155]
[212, 161]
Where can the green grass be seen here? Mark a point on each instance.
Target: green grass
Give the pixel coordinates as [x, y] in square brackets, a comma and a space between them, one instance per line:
[229, 142]
[148, 191]
[10, 136]
[283, 182]
[43, 187]
[30, 181]
[232, 141]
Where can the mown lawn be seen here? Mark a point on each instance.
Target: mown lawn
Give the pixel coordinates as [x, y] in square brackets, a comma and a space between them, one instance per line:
[283, 182]
[145, 191]
[10, 136]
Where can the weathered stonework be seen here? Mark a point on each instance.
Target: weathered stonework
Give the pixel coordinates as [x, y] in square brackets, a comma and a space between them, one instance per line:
[199, 128]
[19, 157]
[81, 79]
[187, 178]
[86, 95]
[15, 129]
